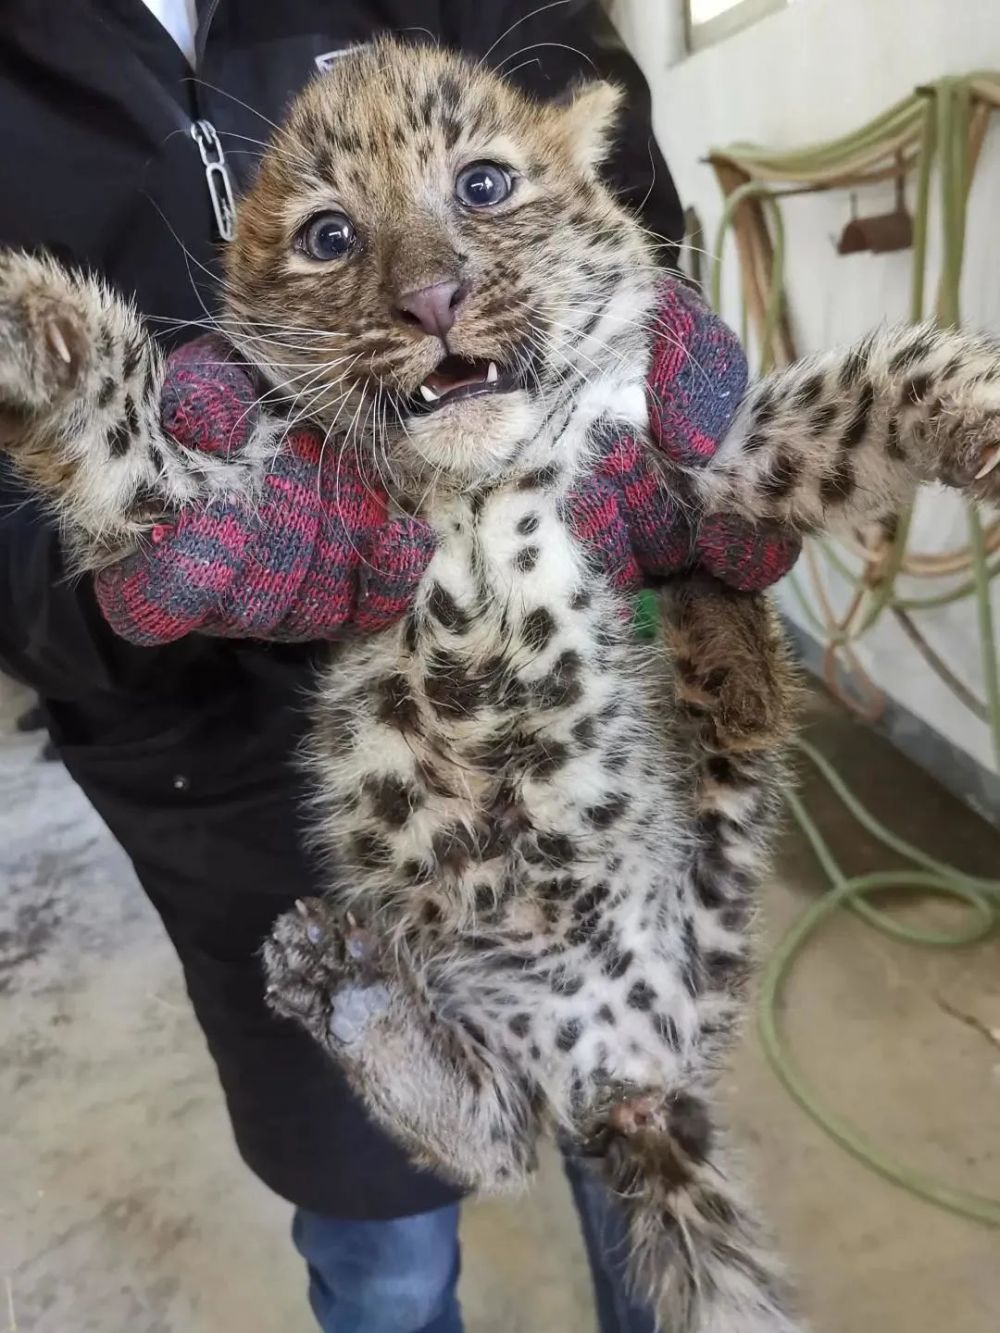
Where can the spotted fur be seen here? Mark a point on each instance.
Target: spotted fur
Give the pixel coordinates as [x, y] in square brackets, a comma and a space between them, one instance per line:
[80, 381]
[547, 838]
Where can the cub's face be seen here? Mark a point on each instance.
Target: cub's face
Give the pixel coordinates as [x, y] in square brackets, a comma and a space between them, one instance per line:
[429, 266]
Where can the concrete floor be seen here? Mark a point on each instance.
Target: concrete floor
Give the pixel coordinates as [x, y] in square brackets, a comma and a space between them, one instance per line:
[124, 1209]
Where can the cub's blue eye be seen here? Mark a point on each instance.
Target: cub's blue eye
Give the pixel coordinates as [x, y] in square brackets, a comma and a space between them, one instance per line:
[482, 184]
[327, 236]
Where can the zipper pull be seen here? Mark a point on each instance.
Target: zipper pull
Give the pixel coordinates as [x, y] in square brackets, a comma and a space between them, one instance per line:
[220, 187]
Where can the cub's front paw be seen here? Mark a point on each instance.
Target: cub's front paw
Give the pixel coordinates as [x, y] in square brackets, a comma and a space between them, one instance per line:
[322, 970]
[46, 340]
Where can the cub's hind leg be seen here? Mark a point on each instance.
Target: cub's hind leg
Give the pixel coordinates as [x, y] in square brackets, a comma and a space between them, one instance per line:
[736, 698]
[736, 690]
[425, 1074]
[700, 1251]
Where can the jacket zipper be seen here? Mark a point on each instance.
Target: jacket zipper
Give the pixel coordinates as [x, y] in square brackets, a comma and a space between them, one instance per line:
[203, 132]
[220, 186]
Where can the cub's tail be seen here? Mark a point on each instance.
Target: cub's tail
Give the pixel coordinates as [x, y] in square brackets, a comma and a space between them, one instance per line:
[697, 1249]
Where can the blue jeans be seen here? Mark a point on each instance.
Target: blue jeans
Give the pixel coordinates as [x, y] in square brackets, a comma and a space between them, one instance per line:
[401, 1276]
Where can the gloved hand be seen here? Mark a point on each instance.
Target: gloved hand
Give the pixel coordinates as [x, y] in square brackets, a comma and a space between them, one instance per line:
[319, 555]
[697, 378]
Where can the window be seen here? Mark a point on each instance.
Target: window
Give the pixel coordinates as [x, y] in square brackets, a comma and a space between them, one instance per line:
[710, 20]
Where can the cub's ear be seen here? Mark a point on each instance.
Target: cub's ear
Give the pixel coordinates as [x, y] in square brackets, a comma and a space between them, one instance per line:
[587, 118]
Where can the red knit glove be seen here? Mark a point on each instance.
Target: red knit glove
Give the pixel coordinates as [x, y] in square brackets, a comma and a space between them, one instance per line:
[697, 379]
[316, 556]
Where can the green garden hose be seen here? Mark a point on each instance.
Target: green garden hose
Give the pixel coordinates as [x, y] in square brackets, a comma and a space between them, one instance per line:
[932, 126]
[930, 877]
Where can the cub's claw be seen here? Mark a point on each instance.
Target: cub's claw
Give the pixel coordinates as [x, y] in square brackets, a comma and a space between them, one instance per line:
[992, 459]
[45, 340]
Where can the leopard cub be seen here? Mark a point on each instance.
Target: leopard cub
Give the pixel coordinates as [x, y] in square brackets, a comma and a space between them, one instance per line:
[547, 838]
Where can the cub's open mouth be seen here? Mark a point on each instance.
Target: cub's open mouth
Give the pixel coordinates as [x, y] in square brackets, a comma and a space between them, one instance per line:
[458, 377]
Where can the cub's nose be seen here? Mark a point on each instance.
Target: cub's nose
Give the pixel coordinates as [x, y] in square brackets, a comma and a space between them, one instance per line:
[433, 308]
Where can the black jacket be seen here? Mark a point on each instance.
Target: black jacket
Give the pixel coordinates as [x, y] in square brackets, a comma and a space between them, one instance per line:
[184, 750]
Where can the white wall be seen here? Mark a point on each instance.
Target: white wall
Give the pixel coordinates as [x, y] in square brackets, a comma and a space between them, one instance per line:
[813, 71]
